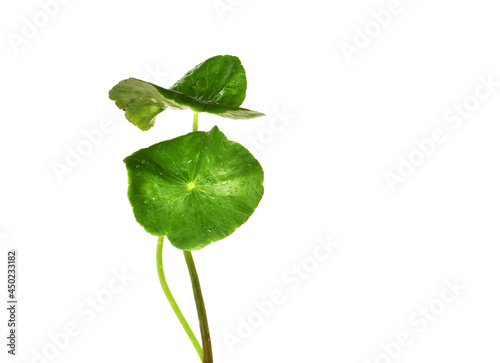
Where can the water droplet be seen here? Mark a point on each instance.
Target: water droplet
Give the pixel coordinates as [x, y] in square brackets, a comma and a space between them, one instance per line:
[146, 201]
[224, 182]
[242, 183]
[143, 161]
[208, 230]
[189, 161]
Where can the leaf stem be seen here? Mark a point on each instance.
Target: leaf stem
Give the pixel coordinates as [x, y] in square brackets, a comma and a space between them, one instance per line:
[171, 300]
[200, 307]
[198, 296]
[195, 121]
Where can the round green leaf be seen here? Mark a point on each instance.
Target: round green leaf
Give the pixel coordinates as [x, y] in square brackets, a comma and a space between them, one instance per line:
[194, 189]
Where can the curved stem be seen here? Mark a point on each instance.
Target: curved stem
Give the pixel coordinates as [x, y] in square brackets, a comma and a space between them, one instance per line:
[195, 121]
[200, 307]
[171, 300]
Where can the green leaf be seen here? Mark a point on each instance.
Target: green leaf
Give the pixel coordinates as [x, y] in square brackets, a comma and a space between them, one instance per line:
[219, 79]
[216, 86]
[194, 189]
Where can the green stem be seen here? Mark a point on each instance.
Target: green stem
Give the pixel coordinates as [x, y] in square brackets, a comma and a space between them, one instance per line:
[195, 121]
[198, 296]
[171, 300]
[200, 307]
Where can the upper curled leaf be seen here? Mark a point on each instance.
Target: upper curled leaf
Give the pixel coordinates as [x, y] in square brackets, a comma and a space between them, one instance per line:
[219, 79]
[216, 86]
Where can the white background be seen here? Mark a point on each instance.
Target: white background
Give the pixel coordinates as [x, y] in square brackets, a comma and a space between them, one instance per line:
[324, 179]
